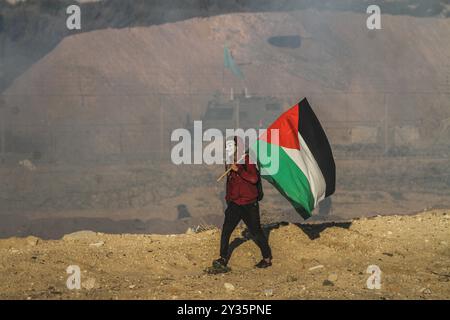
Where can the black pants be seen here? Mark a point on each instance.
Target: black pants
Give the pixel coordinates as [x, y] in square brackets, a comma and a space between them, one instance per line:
[250, 215]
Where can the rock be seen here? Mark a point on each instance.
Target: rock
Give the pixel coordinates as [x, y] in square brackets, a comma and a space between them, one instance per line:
[332, 277]
[291, 279]
[268, 292]
[97, 244]
[425, 291]
[190, 231]
[320, 266]
[229, 287]
[89, 284]
[132, 286]
[327, 283]
[79, 235]
[32, 241]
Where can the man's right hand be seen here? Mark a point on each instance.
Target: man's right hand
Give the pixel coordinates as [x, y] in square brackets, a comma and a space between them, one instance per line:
[234, 167]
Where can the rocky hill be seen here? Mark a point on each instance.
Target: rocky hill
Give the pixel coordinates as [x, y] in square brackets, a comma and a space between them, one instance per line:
[119, 93]
[29, 29]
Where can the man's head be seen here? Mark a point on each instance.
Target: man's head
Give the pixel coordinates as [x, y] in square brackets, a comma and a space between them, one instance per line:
[234, 149]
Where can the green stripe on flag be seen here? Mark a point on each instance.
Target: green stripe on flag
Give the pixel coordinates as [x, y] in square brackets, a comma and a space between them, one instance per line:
[289, 180]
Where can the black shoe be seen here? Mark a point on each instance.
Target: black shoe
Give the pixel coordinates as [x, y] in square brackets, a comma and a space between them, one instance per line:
[263, 264]
[220, 263]
[218, 266]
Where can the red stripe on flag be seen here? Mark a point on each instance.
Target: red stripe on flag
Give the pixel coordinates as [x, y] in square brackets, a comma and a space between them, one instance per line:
[287, 124]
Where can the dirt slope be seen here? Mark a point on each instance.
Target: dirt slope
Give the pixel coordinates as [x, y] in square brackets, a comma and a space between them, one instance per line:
[310, 261]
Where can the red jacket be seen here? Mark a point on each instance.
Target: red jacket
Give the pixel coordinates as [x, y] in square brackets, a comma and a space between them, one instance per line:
[241, 185]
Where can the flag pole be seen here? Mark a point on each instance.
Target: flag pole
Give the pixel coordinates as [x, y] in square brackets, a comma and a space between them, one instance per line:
[223, 175]
[229, 169]
[238, 111]
[223, 68]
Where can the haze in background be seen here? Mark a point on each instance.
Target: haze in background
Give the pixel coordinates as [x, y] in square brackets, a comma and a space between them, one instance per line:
[87, 116]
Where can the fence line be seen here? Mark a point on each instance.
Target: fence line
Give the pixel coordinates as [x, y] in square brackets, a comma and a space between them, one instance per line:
[57, 137]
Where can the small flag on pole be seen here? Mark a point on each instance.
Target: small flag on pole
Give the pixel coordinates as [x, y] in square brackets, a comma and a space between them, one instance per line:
[229, 63]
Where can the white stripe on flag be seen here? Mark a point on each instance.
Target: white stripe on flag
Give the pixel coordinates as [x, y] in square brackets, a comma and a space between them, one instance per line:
[306, 162]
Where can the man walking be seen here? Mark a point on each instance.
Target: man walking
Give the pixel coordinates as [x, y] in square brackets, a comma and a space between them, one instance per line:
[242, 195]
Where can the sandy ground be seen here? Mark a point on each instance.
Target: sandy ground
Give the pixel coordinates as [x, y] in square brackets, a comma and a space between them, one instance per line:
[324, 261]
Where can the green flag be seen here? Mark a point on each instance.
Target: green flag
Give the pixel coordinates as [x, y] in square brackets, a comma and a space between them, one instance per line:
[231, 64]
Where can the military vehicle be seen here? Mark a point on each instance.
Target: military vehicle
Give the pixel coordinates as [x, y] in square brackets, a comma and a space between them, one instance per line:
[241, 112]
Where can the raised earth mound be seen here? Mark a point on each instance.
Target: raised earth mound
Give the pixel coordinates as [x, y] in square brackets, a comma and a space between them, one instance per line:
[324, 261]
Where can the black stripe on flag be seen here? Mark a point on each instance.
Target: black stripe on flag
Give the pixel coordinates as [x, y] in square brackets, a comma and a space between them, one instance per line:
[312, 132]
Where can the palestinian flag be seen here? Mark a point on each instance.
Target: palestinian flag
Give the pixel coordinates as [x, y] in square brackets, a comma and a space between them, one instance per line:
[304, 172]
